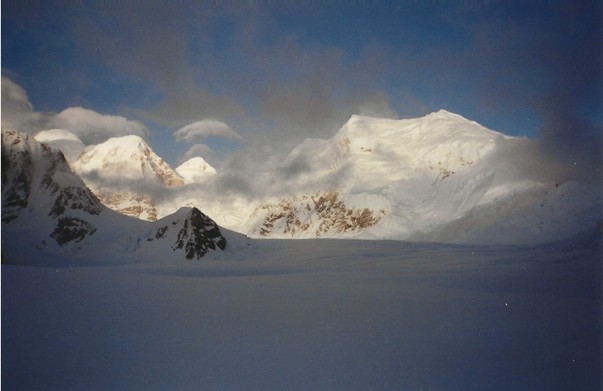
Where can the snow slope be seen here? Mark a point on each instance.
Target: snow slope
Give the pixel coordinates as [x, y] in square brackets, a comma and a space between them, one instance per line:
[126, 174]
[311, 315]
[436, 178]
[126, 158]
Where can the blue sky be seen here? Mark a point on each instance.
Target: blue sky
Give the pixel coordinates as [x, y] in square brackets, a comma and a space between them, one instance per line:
[275, 73]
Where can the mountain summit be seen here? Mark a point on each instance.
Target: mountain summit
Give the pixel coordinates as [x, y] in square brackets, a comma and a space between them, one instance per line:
[49, 215]
[124, 172]
[440, 177]
[195, 170]
[126, 158]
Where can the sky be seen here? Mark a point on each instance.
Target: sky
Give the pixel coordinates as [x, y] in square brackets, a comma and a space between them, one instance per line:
[238, 82]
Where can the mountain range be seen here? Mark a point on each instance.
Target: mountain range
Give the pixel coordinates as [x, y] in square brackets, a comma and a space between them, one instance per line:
[437, 178]
[48, 211]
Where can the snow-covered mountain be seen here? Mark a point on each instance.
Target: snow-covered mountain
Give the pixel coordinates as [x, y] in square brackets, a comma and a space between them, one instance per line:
[47, 209]
[39, 192]
[195, 170]
[124, 172]
[439, 178]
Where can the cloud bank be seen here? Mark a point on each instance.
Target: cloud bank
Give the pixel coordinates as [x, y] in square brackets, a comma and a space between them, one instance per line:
[18, 112]
[94, 128]
[88, 125]
[279, 74]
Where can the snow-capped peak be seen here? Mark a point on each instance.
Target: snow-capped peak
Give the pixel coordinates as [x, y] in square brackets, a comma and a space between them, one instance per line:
[122, 171]
[371, 153]
[195, 170]
[126, 158]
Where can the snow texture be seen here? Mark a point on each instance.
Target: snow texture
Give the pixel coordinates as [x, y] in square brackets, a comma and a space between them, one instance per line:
[310, 315]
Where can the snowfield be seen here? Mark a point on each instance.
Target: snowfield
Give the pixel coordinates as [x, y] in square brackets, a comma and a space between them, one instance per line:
[310, 315]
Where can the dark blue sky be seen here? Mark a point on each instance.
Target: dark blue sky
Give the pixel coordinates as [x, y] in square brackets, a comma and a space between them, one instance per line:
[278, 72]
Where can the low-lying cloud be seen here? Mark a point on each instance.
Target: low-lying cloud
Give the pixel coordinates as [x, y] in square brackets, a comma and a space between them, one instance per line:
[94, 128]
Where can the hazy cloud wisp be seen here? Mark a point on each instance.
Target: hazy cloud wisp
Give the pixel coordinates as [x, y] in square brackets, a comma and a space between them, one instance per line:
[206, 128]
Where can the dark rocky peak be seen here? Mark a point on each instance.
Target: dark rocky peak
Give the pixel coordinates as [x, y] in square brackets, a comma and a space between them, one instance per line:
[17, 174]
[196, 233]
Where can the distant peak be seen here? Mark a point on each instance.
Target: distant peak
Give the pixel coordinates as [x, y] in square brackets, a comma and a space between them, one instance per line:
[440, 114]
[130, 139]
[445, 114]
[194, 162]
[195, 170]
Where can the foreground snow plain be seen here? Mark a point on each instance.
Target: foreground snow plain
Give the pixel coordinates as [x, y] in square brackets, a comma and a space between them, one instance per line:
[311, 315]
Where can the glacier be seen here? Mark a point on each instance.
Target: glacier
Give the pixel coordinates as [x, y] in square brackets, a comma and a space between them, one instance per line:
[311, 314]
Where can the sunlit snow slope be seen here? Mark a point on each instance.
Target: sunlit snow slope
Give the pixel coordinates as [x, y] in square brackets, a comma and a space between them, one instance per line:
[124, 172]
[433, 178]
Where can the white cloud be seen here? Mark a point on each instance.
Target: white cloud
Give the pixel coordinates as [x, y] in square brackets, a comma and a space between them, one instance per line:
[17, 112]
[205, 128]
[199, 150]
[13, 92]
[94, 128]
[90, 126]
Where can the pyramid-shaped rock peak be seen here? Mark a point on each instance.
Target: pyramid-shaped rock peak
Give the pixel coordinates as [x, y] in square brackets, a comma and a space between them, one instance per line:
[198, 235]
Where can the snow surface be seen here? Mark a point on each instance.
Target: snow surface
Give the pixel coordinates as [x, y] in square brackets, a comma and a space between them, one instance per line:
[310, 315]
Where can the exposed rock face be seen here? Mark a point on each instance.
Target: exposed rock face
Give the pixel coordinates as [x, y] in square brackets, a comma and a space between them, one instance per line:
[140, 206]
[316, 214]
[33, 173]
[71, 229]
[43, 199]
[72, 197]
[196, 235]
[16, 175]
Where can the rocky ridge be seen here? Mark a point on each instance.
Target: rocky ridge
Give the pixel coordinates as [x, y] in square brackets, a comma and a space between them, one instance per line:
[44, 202]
